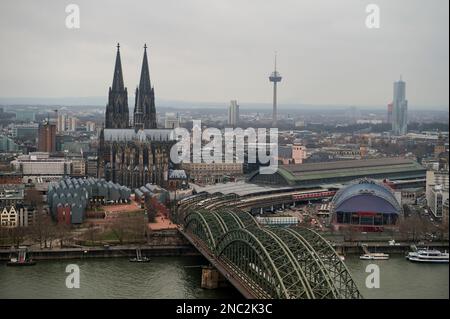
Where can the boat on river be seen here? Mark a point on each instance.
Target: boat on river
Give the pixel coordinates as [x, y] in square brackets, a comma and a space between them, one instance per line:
[21, 259]
[372, 256]
[139, 258]
[428, 256]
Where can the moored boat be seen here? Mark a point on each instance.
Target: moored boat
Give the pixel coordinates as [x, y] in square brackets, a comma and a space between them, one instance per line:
[374, 256]
[428, 256]
[22, 259]
[139, 258]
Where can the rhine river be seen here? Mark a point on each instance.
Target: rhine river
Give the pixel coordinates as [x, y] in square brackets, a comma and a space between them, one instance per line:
[179, 277]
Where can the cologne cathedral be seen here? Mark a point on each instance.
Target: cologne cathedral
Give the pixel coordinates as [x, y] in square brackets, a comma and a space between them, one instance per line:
[133, 152]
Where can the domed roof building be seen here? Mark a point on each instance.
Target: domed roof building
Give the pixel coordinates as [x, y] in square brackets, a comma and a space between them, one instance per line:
[366, 205]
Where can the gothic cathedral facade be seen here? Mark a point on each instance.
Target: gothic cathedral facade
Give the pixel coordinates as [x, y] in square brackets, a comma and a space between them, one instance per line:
[138, 153]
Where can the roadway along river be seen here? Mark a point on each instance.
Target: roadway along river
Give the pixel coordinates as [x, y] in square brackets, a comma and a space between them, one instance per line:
[172, 277]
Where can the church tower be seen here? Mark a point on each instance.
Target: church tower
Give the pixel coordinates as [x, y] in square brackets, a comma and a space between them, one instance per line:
[117, 115]
[144, 108]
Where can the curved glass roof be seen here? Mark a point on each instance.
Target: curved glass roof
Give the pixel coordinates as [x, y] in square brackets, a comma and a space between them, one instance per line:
[366, 195]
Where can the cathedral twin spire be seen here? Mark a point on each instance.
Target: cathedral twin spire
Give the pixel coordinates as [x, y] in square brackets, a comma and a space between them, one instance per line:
[117, 114]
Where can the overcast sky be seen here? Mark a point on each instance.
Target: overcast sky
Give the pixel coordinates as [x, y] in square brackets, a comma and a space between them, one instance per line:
[215, 51]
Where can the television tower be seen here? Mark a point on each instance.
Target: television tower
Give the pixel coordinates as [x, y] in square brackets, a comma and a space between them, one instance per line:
[275, 77]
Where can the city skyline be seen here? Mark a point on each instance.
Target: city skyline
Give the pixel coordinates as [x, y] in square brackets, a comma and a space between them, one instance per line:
[224, 149]
[202, 65]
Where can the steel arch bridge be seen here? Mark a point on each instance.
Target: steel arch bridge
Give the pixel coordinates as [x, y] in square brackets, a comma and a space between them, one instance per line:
[270, 262]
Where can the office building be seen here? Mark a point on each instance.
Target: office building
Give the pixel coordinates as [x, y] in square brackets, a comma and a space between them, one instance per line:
[400, 109]
[437, 188]
[62, 122]
[41, 164]
[233, 113]
[25, 131]
[47, 138]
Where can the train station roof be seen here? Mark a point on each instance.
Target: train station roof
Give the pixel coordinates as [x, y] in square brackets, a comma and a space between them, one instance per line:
[238, 188]
[342, 171]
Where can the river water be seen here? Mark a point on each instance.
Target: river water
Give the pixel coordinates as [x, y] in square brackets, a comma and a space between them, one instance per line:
[179, 277]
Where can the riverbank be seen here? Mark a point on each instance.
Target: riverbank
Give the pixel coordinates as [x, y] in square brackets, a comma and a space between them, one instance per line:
[398, 248]
[104, 252]
[162, 243]
[171, 243]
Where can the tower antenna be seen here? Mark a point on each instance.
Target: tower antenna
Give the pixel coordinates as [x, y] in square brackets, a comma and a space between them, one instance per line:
[275, 77]
[275, 61]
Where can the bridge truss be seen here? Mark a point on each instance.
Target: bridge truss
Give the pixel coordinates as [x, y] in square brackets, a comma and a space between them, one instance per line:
[274, 262]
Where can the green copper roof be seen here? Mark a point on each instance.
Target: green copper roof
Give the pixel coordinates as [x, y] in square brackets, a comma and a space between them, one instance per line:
[293, 177]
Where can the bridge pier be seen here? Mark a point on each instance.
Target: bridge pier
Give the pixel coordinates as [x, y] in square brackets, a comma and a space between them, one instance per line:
[211, 278]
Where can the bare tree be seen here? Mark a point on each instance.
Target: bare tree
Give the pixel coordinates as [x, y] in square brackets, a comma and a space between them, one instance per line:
[350, 233]
[151, 208]
[118, 228]
[413, 228]
[43, 230]
[63, 233]
[136, 227]
[442, 230]
[34, 198]
[91, 233]
[16, 235]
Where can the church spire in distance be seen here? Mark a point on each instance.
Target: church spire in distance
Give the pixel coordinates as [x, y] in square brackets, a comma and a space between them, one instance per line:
[144, 83]
[117, 84]
[117, 115]
[144, 109]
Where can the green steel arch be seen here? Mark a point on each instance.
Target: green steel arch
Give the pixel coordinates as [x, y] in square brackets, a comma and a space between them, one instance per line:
[337, 269]
[312, 264]
[257, 258]
[197, 224]
[274, 262]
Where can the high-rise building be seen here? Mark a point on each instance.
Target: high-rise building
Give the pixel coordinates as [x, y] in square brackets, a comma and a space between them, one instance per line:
[117, 115]
[47, 137]
[399, 109]
[389, 113]
[73, 123]
[25, 131]
[275, 77]
[62, 118]
[233, 113]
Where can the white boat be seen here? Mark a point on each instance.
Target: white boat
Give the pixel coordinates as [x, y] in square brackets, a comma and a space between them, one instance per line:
[428, 256]
[374, 256]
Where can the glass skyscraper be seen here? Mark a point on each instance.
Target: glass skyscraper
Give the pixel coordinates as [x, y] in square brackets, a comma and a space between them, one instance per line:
[400, 109]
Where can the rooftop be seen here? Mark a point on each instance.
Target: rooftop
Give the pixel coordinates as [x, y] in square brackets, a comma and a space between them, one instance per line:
[237, 188]
[299, 172]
